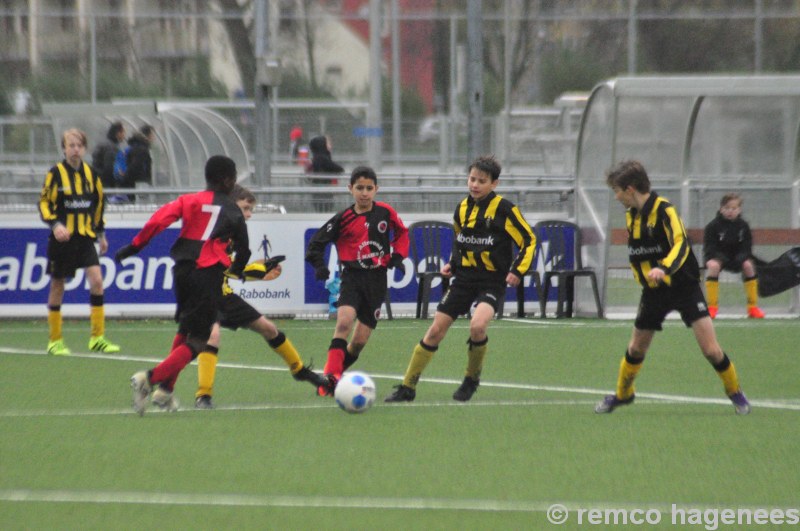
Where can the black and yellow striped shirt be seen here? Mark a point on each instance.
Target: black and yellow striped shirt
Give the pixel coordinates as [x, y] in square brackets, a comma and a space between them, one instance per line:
[657, 238]
[485, 234]
[74, 198]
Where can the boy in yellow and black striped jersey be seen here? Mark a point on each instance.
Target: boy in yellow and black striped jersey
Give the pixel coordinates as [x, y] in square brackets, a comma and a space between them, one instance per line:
[486, 227]
[664, 265]
[72, 205]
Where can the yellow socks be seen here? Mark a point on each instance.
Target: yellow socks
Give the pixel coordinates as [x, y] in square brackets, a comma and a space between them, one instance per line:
[285, 349]
[475, 354]
[712, 291]
[206, 370]
[727, 373]
[54, 321]
[751, 291]
[97, 318]
[628, 369]
[419, 360]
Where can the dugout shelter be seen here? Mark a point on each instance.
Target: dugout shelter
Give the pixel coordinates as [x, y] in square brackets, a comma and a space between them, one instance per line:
[698, 137]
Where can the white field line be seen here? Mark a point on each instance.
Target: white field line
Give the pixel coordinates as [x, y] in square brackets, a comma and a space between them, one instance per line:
[778, 404]
[354, 502]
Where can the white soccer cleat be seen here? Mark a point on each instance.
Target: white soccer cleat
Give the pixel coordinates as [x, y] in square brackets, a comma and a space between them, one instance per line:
[165, 400]
[141, 390]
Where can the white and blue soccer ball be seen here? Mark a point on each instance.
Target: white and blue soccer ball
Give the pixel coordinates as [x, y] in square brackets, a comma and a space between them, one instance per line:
[355, 392]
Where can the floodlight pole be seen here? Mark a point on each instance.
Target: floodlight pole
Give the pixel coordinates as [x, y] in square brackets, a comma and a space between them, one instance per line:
[374, 127]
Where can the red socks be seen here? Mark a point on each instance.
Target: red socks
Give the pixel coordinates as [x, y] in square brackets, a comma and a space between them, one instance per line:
[166, 372]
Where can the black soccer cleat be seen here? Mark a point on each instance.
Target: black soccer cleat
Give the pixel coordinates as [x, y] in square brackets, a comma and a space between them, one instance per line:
[466, 389]
[401, 394]
[203, 402]
[307, 375]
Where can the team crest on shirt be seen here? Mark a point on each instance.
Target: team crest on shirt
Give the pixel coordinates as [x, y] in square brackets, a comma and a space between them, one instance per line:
[383, 226]
[369, 254]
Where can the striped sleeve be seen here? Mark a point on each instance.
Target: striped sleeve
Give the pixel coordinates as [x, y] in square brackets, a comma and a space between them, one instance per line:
[676, 234]
[523, 236]
[48, 197]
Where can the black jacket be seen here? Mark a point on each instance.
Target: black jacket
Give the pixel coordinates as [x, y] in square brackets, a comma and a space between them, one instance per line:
[140, 163]
[728, 240]
[321, 161]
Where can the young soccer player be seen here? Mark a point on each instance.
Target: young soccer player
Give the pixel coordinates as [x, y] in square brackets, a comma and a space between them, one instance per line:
[236, 313]
[486, 228]
[369, 237]
[72, 205]
[728, 245]
[211, 222]
[663, 263]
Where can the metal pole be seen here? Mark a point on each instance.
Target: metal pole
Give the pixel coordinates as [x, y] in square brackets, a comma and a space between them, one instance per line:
[758, 36]
[475, 78]
[396, 117]
[263, 161]
[632, 37]
[93, 57]
[374, 112]
[506, 136]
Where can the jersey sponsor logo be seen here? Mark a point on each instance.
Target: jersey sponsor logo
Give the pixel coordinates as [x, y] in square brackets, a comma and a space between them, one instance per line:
[77, 203]
[642, 251]
[474, 240]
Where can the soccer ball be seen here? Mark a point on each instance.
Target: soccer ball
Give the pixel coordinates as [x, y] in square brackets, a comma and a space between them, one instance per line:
[355, 392]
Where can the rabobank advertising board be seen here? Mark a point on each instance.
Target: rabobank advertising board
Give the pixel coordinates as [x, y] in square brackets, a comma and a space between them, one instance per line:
[142, 285]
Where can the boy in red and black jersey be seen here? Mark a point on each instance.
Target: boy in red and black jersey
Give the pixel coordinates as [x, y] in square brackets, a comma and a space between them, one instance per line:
[370, 238]
[211, 222]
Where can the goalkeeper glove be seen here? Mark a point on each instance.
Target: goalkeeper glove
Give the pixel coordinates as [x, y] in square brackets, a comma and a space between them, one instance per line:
[125, 252]
[322, 273]
[396, 262]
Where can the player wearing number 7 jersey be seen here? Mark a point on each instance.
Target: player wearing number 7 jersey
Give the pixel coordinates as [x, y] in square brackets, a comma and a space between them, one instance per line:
[211, 223]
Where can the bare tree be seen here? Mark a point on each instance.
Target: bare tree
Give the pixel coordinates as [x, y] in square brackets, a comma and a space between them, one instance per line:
[239, 35]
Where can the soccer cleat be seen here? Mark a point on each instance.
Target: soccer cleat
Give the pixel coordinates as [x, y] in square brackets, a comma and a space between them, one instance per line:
[754, 312]
[401, 394]
[203, 402]
[307, 375]
[101, 344]
[466, 389]
[329, 385]
[165, 400]
[140, 383]
[611, 402]
[712, 311]
[740, 403]
[58, 348]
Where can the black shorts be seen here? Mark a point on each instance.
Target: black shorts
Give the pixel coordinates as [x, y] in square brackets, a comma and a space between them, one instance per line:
[64, 258]
[198, 293]
[730, 262]
[655, 304]
[461, 295]
[364, 290]
[235, 312]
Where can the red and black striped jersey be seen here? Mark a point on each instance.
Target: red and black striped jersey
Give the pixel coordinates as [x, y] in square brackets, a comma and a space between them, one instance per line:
[211, 221]
[363, 241]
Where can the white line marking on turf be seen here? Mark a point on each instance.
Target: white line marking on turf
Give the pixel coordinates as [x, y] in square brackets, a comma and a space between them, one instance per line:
[344, 502]
[779, 404]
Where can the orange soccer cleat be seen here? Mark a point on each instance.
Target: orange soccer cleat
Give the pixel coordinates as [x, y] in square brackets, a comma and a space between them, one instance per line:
[712, 311]
[755, 312]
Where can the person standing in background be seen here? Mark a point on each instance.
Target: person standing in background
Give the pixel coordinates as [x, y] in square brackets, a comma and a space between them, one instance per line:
[322, 163]
[105, 154]
[72, 205]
